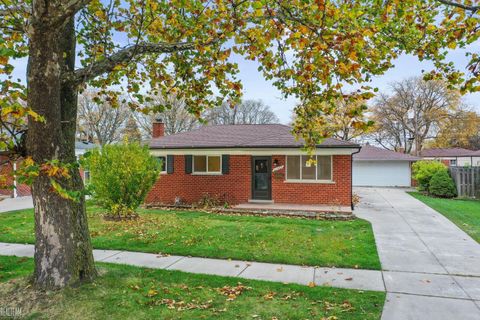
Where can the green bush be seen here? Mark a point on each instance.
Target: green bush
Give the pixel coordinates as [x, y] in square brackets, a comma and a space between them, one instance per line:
[121, 176]
[442, 185]
[423, 171]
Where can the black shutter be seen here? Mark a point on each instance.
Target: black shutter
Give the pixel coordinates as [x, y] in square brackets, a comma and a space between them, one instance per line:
[225, 163]
[170, 163]
[188, 163]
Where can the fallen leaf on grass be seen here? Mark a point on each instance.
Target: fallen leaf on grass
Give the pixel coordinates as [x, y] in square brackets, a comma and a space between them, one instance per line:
[233, 292]
[311, 284]
[152, 293]
[269, 296]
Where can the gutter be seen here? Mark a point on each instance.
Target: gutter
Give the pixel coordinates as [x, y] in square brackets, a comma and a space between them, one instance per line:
[351, 178]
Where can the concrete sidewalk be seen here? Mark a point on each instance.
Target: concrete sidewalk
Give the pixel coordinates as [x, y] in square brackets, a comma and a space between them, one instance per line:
[418, 284]
[20, 203]
[431, 267]
[340, 278]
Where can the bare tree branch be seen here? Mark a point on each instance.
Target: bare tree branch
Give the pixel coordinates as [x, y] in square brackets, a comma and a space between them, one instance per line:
[124, 56]
[460, 5]
[246, 112]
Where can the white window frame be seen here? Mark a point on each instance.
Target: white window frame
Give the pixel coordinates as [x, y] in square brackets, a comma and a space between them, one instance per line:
[206, 173]
[316, 180]
[164, 171]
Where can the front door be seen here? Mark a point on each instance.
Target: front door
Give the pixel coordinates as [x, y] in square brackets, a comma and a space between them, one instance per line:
[261, 178]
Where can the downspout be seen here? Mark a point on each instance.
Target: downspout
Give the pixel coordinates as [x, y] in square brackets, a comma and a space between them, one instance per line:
[351, 177]
[15, 194]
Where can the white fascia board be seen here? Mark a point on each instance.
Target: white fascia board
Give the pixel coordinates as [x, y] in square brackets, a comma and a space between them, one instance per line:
[252, 151]
[439, 158]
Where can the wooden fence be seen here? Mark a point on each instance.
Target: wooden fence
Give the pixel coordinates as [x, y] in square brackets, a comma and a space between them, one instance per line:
[467, 180]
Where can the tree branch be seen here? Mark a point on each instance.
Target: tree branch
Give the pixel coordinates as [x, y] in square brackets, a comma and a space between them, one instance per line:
[124, 56]
[460, 5]
[69, 10]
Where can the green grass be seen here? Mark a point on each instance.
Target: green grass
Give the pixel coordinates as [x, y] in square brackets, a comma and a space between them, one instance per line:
[124, 292]
[464, 213]
[267, 239]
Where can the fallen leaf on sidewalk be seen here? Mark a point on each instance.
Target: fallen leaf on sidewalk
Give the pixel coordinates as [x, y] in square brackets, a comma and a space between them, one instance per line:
[349, 279]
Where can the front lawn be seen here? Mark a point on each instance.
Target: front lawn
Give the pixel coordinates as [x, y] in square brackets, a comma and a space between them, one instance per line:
[124, 292]
[464, 213]
[269, 239]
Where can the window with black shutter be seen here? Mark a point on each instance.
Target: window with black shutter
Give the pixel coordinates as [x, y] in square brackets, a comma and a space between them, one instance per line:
[188, 164]
[225, 163]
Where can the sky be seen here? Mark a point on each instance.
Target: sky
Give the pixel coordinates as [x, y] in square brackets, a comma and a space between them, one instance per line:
[256, 87]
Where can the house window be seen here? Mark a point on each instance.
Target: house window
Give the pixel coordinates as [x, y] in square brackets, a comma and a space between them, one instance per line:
[86, 177]
[453, 162]
[300, 168]
[207, 164]
[163, 161]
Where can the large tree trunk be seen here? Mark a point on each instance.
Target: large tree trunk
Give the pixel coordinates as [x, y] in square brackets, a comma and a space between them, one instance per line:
[63, 252]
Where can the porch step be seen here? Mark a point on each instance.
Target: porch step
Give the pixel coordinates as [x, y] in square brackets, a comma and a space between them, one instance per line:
[260, 201]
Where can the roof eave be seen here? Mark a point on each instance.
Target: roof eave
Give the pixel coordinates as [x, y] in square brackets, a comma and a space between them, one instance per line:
[255, 147]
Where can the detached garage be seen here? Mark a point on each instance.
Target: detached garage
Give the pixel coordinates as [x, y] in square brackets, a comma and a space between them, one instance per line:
[376, 167]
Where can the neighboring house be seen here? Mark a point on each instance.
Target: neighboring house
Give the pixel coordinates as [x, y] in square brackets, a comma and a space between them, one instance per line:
[454, 157]
[22, 190]
[377, 167]
[81, 147]
[476, 158]
[250, 163]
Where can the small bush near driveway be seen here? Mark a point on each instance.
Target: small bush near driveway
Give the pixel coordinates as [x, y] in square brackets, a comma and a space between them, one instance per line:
[423, 172]
[442, 185]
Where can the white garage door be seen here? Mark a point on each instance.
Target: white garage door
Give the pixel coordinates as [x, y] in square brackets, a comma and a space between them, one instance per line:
[381, 173]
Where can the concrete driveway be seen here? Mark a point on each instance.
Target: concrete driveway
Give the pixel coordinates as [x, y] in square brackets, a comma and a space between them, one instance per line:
[19, 203]
[431, 267]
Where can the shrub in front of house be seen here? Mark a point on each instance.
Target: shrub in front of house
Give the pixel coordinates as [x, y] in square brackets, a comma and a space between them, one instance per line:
[442, 185]
[423, 171]
[121, 177]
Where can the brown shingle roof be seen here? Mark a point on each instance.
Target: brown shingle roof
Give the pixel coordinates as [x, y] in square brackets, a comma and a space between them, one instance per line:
[447, 152]
[240, 136]
[374, 153]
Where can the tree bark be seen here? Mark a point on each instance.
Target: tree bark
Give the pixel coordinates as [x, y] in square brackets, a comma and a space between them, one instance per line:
[63, 251]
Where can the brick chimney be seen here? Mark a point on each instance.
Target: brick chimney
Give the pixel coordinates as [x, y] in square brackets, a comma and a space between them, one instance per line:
[158, 128]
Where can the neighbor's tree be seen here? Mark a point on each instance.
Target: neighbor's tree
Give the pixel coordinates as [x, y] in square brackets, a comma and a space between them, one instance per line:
[97, 121]
[343, 119]
[131, 132]
[461, 130]
[172, 110]
[307, 48]
[244, 112]
[412, 113]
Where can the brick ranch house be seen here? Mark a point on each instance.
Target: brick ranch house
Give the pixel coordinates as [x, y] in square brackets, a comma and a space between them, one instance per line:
[250, 164]
[13, 189]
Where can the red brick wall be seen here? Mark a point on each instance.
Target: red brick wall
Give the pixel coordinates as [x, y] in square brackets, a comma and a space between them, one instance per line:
[337, 193]
[6, 172]
[236, 186]
[233, 187]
